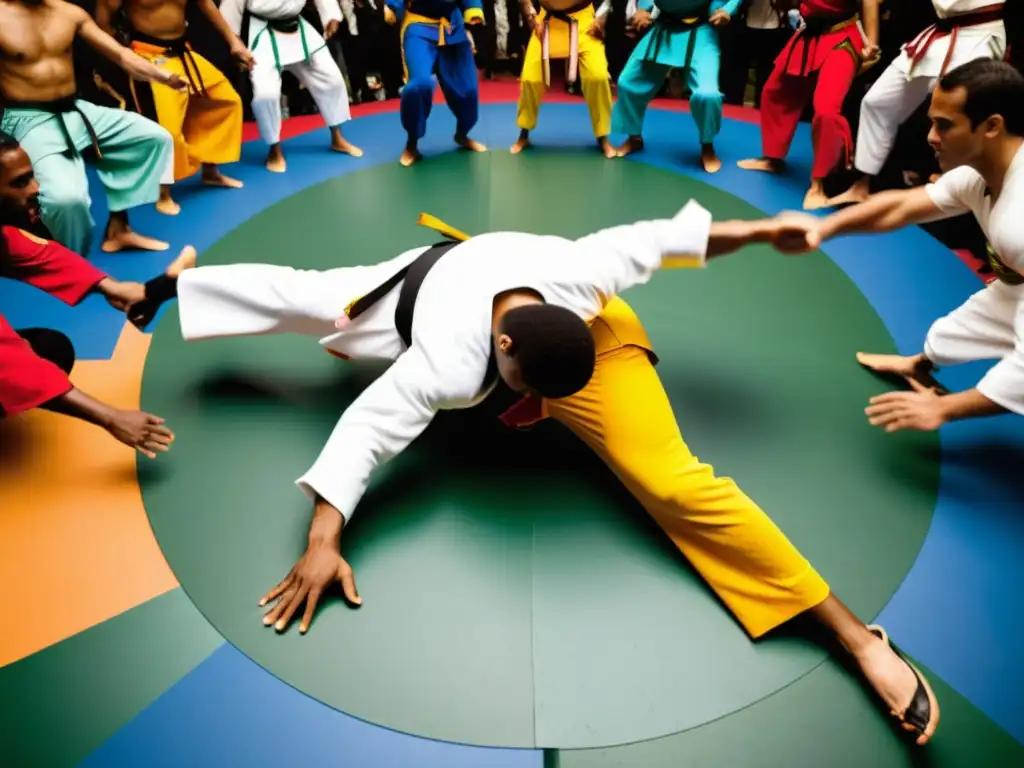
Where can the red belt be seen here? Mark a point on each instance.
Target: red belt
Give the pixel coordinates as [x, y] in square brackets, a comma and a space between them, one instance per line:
[918, 47]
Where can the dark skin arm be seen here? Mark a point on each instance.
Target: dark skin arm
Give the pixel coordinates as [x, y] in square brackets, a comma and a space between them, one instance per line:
[317, 569]
[142, 431]
[729, 236]
[238, 48]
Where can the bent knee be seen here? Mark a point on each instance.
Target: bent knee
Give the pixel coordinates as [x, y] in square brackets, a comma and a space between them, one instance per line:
[706, 95]
[420, 86]
[70, 198]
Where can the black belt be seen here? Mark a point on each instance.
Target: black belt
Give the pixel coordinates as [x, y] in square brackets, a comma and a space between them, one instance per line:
[279, 25]
[59, 108]
[413, 275]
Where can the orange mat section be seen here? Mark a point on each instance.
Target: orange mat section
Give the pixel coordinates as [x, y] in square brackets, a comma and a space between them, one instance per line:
[75, 543]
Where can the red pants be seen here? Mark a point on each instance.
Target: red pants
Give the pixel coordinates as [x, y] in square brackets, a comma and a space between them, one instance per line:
[784, 98]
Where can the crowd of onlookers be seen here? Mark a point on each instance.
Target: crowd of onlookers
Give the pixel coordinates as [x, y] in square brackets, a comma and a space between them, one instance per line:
[367, 50]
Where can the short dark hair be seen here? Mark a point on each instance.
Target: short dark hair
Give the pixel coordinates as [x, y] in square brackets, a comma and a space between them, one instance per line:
[8, 142]
[553, 347]
[993, 88]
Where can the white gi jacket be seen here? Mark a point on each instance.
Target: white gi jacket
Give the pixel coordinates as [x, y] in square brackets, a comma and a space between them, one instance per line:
[446, 366]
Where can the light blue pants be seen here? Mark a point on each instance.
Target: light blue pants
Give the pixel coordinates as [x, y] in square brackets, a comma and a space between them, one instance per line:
[640, 81]
[136, 151]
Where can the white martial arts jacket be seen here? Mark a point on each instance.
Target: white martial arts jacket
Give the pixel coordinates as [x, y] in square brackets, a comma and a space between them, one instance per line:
[446, 367]
[980, 41]
[280, 48]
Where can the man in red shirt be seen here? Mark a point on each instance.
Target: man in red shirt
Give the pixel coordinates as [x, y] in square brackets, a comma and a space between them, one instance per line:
[35, 362]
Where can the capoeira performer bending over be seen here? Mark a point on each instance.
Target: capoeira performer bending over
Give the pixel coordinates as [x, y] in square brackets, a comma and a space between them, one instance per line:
[684, 34]
[818, 64]
[542, 314]
[977, 113]
[966, 30]
[280, 39]
[60, 132]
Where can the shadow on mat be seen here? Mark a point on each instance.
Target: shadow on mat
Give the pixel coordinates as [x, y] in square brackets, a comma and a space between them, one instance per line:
[462, 454]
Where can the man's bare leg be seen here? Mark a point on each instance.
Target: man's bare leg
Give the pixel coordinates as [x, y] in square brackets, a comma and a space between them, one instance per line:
[523, 142]
[121, 237]
[212, 177]
[631, 145]
[340, 144]
[471, 144]
[709, 158]
[893, 679]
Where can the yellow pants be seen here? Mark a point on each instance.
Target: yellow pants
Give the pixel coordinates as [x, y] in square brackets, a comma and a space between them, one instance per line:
[206, 128]
[624, 415]
[593, 73]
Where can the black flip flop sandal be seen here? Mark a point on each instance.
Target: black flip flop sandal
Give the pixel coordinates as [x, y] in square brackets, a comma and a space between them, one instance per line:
[920, 711]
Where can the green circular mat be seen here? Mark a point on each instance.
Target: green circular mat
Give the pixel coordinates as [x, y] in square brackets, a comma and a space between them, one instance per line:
[514, 594]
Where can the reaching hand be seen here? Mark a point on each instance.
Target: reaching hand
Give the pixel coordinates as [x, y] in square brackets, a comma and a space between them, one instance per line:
[794, 233]
[243, 55]
[596, 29]
[319, 567]
[641, 20]
[920, 410]
[177, 82]
[719, 18]
[121, 295]
[142, 431]
[331, 29]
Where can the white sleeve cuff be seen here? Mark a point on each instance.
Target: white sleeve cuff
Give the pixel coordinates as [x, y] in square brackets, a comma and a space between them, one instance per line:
[688, 235]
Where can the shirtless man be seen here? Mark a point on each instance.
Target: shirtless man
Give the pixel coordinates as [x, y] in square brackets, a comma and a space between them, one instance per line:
[59, 132]
[977, 114]
[205, 119]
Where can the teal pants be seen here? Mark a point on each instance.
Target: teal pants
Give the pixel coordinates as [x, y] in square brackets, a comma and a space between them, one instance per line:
[640, 81]
[135, 153]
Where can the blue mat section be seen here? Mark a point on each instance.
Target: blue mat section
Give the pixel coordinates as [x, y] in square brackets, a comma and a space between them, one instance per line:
[231, 712]
[957, 610]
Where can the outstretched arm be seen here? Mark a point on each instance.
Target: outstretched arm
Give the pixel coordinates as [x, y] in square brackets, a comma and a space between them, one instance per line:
[128, 60]
[383, 421]
[883, 212]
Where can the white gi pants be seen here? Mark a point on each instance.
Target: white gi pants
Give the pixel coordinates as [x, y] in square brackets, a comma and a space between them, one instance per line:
[321, 77]
[989, 325]
[262, 299]
[885, 107]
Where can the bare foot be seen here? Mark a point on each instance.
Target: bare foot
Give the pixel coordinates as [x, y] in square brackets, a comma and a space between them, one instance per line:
[766, 164]
[912, 367]
[815, 198]
[606, 148]
[709, 159]
[895, 682]
[630, 145]
[858, 192]
[132, 241]
[212, 177]
[185, 260]
[471, 144]
[166, 204]
[276, 162]
[523, 142]
[340, 144]
[409, 156]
